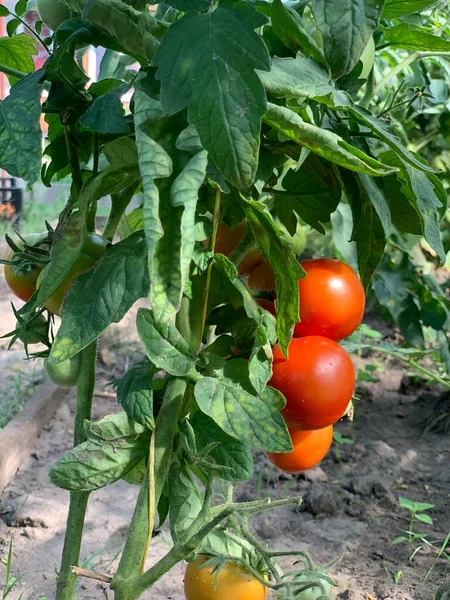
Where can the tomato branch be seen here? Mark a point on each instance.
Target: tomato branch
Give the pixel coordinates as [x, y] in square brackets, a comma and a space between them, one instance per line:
[91, 575]
[12, 72]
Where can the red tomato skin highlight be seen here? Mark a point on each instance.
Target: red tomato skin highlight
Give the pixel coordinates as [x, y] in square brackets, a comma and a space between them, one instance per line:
[317, 381]
[310, 447]
[332, 299]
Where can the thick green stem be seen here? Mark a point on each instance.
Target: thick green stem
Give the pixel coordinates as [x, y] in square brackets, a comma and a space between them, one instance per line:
[166, 428]
[13, 72]
[212, 244]
[119, 203]
[67, 581]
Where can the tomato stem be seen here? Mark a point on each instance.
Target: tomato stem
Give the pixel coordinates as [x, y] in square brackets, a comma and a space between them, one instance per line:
[212, 244]
[67, 580]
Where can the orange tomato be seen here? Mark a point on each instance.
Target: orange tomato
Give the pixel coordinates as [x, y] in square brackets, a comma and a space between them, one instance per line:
[310, 447]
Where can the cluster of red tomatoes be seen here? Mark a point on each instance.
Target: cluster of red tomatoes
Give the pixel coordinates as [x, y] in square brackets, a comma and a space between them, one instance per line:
[318, 377]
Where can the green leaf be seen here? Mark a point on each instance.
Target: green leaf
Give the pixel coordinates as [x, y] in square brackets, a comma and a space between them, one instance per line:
[174, 250]
[420, 191]
[187, 5]
[296, 78]
[394, 9]
[188, 140]
[411, 37]
[424, 519]
[71, 233]
[122, 152]
[133, 30]
[229, 453]
[346, 27]
[101, 296]
[17, 52]
[313, 193]
[217, 54]
[399, 540]
[368, 232]
[106, 113]
[423, 506]
[164, 345]
[260, 361]
[21, 7]
[223, 542]
[323, 142]
[288, 27]
[115, 445]
[375, 195]
[233, 405]
[185, 501]
[12, 25]
[4, 11]
[20, 133]
[135, 393]
[286, 268]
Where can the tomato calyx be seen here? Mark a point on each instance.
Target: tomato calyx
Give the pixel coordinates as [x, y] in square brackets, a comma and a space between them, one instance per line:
[31, 328]
[30, 253]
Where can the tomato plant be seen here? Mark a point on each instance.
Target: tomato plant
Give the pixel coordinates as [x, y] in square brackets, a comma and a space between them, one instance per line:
[52, 12]
[317, 381]
[228, 122]
[332, 299]
[310, 447]
[231, 582]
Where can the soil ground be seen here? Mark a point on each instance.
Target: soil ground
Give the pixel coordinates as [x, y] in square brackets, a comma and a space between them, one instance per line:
[350, 503]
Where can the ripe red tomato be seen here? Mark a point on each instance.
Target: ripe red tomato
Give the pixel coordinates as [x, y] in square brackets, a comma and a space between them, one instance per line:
[309, 449]
[23, 282]
[317, 381]
[262, 278]
[232, 582]
[226, 241]
[331, 299]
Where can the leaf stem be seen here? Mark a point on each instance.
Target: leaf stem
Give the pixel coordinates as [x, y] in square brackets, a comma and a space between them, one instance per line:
[212, 244]
[67, 580]
[33, 33]
[73, 162]
[405, 63]
[13, 72]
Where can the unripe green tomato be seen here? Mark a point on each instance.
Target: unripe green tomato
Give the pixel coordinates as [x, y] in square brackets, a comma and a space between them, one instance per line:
[23, 283]
[52, 12]
[64, 374]
[35, 333]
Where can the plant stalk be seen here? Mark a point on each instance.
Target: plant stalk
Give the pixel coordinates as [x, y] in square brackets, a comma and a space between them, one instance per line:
[13, 72]
[133, 554]
[67, 580]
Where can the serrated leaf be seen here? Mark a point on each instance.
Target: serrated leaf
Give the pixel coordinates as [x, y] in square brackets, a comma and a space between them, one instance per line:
[114, 447]
[394, 9]
[223, 542]
[135, 393]
[17, 52]
[323, 142]
[106, 113]
[288, 27]
[312, 192]
[260, 361]
[174, 250]
[346, 27]
[411, 37]
[102, 296]
[216, 56]
[229, 453]
[368, 232]
[296, 78]
[71, 233]
[164, 345]
[20, 133]
[131, 29]
[231, 402]
[286, 268]
[185, 501]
